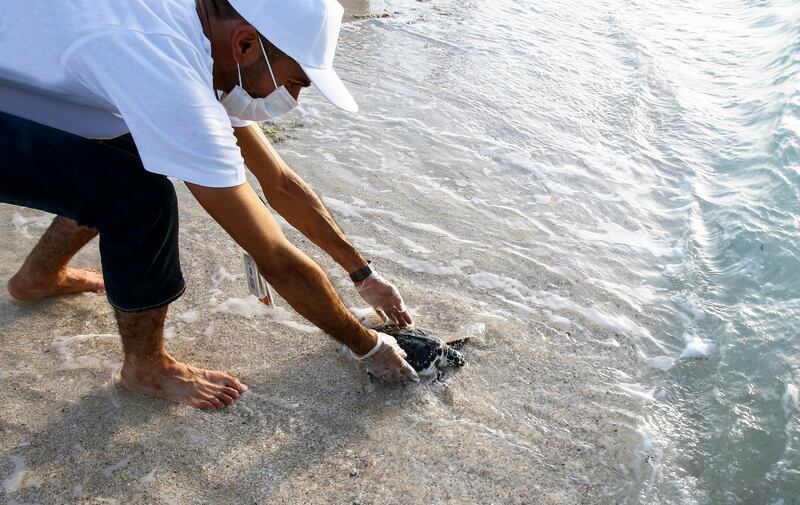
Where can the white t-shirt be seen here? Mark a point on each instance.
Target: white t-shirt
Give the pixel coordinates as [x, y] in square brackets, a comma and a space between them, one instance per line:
[100, 68]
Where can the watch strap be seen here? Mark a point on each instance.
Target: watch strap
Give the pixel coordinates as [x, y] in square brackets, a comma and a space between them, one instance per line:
[361, 273]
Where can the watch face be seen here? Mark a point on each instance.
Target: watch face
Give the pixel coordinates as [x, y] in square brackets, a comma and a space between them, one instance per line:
[362, 273]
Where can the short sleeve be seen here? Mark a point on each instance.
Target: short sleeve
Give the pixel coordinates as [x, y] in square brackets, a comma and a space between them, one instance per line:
[240, 123]
[163, 90]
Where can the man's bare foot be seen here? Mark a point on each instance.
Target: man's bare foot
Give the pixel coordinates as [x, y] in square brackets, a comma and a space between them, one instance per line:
[172, 380]
[24, 286]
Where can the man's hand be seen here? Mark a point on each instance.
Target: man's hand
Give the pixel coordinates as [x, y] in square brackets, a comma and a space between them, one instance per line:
[299, 280]
[384, 298]
[385, 361]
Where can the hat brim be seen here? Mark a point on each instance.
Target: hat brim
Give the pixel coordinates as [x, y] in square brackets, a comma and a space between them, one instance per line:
[331, 87]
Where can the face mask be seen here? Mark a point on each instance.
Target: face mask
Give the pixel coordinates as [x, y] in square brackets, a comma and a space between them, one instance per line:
[240, 104]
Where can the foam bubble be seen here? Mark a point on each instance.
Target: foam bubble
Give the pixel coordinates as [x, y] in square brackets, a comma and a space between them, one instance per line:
[562, 271]
[344, 209]
[21, 223]
[109, 470]
[614, 234]
[552, 301]
[189, 316]
[476, 330]
[248, 306]
[559, 321]
[221, 276]
[251, 307]
[660, 362]
[790, 400]
[526, 217]
[646, 395]
[370, 246]
[284, 317]
[691, 306]
[697, 348]
[66, 348]
[347, 210]
[648, 454]
[19, 478]
[364, 316]
[414, 246]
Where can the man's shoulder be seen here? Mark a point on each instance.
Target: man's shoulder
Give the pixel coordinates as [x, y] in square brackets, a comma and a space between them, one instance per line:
[124, 57]
[118, 43]
[163, 29]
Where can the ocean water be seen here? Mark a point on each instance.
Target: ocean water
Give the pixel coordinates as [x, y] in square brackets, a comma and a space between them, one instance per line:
[613, 182]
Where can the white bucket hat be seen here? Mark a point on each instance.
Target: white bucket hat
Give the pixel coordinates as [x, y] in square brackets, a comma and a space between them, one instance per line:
[307, 32]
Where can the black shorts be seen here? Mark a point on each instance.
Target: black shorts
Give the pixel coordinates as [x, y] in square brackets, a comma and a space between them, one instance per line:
[101, 184]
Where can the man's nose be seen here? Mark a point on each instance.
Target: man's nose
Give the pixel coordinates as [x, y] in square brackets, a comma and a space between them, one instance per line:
[294, 90]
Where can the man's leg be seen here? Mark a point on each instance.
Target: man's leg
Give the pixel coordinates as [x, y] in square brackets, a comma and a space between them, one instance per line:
[45, 272]
[148, 368]
[105, 187]
[141, 264]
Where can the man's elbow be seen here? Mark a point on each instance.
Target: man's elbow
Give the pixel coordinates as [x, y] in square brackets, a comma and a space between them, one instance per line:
[284, 190]
[283, 262]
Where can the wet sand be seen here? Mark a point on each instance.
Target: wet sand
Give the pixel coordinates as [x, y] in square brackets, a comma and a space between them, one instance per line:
[312, 428]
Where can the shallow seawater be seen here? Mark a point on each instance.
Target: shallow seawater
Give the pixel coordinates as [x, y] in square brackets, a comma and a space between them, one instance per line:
[612, 182]
[603, 195]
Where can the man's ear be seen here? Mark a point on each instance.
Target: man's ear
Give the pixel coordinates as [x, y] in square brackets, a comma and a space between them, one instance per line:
[244, 45]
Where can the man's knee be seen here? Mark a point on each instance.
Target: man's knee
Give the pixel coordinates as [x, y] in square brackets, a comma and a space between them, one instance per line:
[159, 199]
[139, 248]
[149, 202]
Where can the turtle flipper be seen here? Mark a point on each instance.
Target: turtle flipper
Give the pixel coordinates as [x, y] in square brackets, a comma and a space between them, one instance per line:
[452, 357]
[458, 344]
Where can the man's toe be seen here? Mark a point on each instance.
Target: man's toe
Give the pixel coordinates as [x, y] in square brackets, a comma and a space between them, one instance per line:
[227, 400]
[233, 393]
[205, 405]
[235, 384]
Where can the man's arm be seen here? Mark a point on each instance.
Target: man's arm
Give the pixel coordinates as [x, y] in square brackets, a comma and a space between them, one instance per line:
[295, 276]
[293, 199]
[299, 280]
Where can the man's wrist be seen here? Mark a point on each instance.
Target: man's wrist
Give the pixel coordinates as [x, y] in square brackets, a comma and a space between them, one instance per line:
[362, 273]
[367, 344]
[351, 260]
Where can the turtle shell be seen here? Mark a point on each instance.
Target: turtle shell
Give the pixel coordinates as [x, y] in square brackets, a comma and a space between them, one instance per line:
[424, 352]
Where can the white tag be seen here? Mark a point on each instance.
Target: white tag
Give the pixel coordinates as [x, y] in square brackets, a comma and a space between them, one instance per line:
[256, 284]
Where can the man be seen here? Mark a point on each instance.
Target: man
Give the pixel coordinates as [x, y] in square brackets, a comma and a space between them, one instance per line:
[71, 72]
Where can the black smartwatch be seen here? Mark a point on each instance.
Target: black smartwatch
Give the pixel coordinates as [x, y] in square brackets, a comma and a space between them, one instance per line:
[361, 273]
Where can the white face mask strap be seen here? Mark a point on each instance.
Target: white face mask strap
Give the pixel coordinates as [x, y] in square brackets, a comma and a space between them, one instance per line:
[268, 65]
[239, 71]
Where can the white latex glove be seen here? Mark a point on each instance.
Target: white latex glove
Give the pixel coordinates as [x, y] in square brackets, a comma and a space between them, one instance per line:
[385, 360]
[384, 298]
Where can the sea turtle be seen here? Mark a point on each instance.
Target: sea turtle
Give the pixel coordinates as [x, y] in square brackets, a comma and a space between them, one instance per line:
[424, 352]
